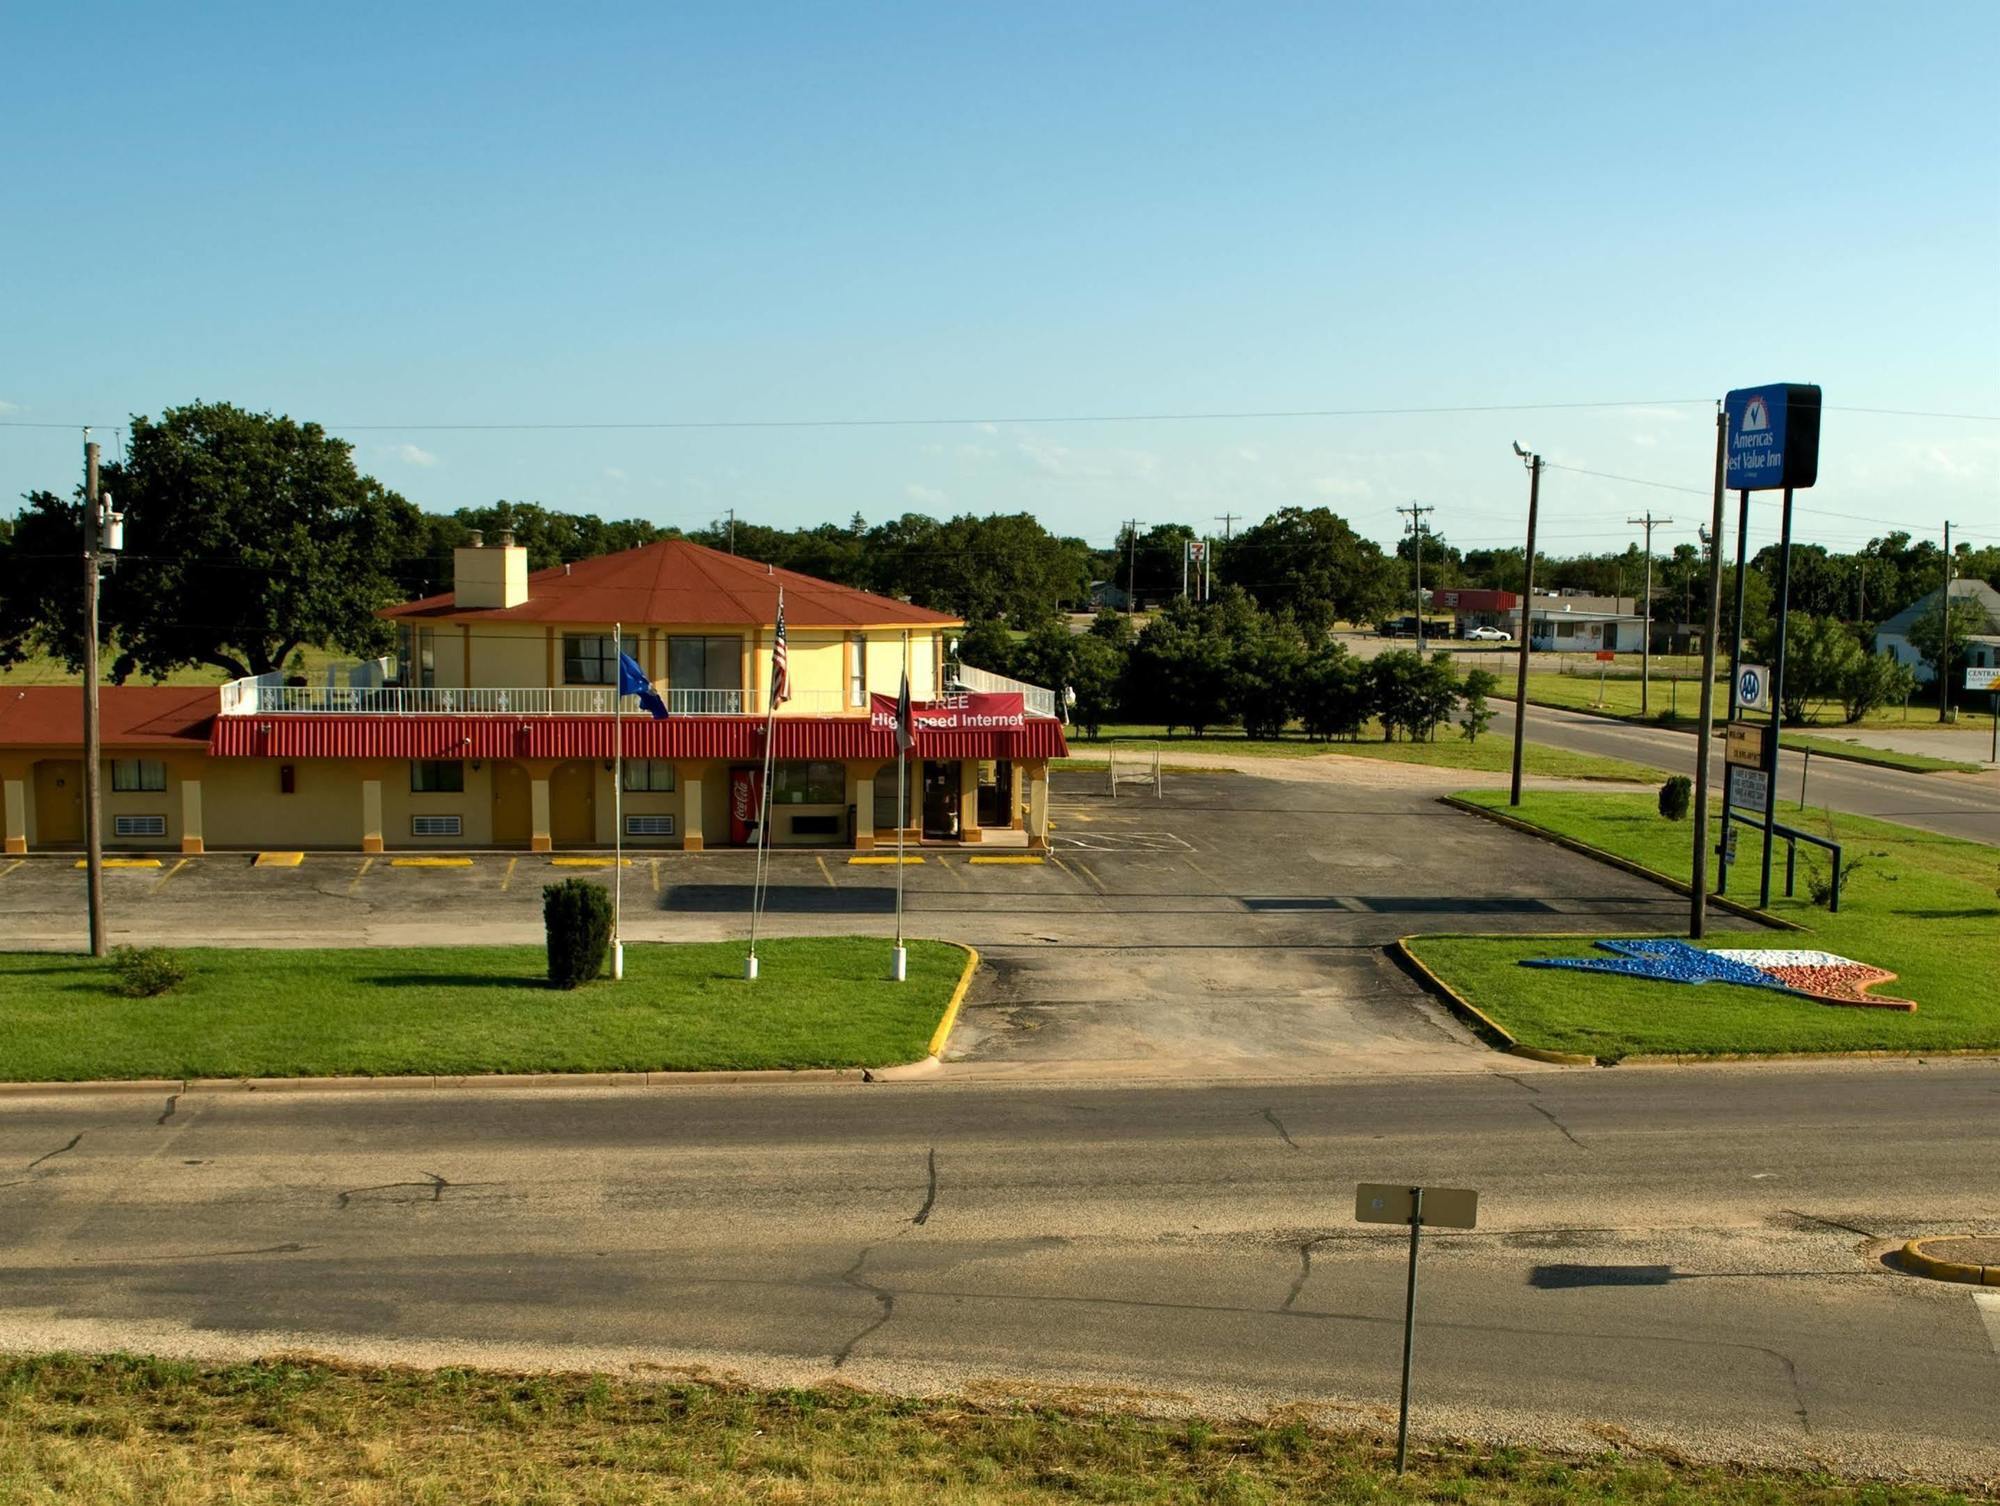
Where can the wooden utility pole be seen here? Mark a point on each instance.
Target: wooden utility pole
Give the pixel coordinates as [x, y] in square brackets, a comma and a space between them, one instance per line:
[1226, 519]
[1416, 513]
[1527, 609]
[93, 803]
[1132, 567]
[1646, 631]
[1944, 634]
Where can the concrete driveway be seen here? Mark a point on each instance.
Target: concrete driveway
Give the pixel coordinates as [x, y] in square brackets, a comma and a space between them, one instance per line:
[1233, 925]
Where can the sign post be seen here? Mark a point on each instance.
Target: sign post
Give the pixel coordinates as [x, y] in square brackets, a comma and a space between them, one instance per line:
[1988, 680]
[1443, 1207]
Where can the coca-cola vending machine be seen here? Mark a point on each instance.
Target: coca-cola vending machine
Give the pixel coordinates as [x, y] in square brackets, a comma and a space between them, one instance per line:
[746, 795]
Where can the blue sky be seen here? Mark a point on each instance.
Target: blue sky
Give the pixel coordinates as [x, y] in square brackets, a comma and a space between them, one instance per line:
[413, 216]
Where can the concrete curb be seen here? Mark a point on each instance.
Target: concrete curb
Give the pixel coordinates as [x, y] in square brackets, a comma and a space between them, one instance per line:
[1479, 1019]
[1915, 1259]
[1637, 870]
[943, 1031]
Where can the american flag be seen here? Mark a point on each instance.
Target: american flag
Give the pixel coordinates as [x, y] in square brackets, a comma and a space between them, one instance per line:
[781, 669]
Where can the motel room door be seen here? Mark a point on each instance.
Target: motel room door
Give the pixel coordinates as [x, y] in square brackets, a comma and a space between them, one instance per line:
[573, 805]
[58, 802]
[513, 813]
[940, 800]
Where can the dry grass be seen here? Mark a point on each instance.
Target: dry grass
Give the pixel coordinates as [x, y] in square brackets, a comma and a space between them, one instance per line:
[90, 1432]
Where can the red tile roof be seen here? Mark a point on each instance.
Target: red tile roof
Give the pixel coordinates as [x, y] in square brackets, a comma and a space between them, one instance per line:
[129, 716]
[674, 581]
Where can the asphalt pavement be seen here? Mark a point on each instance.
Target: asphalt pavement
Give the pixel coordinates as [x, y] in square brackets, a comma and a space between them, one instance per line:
[1955, 805]
[1689, 1258]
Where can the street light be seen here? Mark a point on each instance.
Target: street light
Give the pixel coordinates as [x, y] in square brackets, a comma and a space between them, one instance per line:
[1534, 465]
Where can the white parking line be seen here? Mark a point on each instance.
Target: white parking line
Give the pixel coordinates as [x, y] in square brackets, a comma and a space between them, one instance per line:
[1989, 1310]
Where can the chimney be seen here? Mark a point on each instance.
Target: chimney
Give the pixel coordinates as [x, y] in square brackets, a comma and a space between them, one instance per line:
[495, 577]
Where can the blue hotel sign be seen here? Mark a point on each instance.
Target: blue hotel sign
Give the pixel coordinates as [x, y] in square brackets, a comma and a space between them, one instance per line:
[1773, 436]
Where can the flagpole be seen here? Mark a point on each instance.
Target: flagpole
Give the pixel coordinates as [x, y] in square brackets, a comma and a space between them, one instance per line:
[618, 804]
[763, 804]
[903, 738]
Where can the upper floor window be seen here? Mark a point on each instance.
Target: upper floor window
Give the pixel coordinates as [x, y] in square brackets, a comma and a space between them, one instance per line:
[437, 777]
[649, 775]
[589, 659]
[857, 670]
[707, 663]
[138, 774]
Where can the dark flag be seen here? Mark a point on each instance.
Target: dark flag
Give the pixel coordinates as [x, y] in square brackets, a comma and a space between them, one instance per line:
[906, 735]
[632, 681]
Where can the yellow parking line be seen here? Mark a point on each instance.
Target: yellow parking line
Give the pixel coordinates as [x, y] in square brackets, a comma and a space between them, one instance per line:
[654, 864]
[587, 862]
[12, 866]
[828, 872]
[508, 877]
[359, 874]
[430, 862]
[279, 860]
[122, 862]
[1025, 859]
[912, 858]
[178, 866]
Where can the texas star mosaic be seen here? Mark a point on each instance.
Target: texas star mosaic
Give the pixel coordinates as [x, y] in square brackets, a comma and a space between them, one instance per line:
[1812, 974]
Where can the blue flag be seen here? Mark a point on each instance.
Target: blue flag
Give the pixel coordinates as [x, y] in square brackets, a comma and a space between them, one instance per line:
[632, 681]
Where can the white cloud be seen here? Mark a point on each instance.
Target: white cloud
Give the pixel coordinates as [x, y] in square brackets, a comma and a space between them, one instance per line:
[410, 454]
[612, 473]
[925, 496]
[1342, 486]
[7, 407]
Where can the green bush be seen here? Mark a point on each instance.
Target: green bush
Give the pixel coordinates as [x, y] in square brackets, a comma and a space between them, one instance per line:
[146, 972]
[1674, 797]
[577, 915]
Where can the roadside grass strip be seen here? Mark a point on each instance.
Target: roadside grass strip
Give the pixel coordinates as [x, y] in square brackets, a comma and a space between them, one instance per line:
[468, 1011]
[97, 1431]
[121, 862]
[430, 862]
[278, 860]
[1924, 908]
[1447, 749]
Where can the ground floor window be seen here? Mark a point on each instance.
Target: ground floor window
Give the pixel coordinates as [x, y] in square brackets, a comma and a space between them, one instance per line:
[809, 784]
[138, 774]
[649, 775]
[437, 776]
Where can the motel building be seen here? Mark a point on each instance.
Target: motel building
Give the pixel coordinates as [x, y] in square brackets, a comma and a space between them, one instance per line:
[493, 727]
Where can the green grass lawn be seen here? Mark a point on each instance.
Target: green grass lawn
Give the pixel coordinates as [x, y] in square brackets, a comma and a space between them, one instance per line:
[1914, 763]
[451, 1011]
[1923, 906]
[1449, 750]
[108, 1431]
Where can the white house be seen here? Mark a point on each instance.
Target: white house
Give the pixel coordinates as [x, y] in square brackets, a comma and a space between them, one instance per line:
[1980, 652]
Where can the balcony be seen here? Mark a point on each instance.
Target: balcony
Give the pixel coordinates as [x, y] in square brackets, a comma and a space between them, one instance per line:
[266, 695]
[1036, 700]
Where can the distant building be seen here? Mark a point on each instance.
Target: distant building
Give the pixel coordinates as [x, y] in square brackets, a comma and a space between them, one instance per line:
[1574, 622]
[1981, 651]
[1473, 607]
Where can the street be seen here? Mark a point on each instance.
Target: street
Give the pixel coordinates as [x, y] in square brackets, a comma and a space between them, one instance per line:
[1956, 805]
[1681, 1257]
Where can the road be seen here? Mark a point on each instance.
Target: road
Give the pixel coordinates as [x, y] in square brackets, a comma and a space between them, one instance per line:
[1686, 1257]
[1956, 805]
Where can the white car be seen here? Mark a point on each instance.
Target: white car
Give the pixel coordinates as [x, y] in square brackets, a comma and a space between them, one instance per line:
[1487, 635]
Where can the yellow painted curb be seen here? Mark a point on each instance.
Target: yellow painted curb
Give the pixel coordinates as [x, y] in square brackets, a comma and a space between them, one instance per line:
[587, 862]
[1030, 859]
[121, 862]
[1916, 1259]
[892, 862]
[430, 862]
[1466, 1009]
[279, 860]
[943, 1032]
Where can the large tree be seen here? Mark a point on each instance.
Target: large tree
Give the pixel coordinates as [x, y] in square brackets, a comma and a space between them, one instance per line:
[1309, 562]
[247, 536]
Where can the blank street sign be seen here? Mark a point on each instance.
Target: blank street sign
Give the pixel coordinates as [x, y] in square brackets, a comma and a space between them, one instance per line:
[1444, 1207]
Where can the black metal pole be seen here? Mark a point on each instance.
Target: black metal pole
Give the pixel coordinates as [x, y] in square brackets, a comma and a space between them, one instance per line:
[1735, 666]
[1409, 1328]
[1705, 728]
[1527, 609]
[1777, 697]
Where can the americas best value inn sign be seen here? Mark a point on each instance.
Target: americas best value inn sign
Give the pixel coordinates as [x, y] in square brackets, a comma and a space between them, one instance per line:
[1773, 436]
[971, 712]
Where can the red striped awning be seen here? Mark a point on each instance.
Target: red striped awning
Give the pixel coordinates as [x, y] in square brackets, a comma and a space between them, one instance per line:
[324, 735]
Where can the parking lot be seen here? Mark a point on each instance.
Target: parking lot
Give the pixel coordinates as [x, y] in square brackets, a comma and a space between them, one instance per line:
[1236, 921]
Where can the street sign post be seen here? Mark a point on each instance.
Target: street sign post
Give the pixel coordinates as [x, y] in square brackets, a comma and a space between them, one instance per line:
[1988, 679]
[1748, 787]
[1440, 1207]
[1753, 688]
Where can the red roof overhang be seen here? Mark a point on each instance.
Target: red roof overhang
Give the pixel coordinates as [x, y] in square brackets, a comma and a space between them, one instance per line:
[334, 736]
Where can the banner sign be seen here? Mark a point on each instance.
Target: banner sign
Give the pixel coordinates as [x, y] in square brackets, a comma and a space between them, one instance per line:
[1773, 436]
[1748, 745]
[974, 711]
[746, 795]
[1981, 679]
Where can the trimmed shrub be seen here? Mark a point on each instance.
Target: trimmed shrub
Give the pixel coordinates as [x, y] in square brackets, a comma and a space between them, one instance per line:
[577, 915]
[1674, 796]
[146, 972]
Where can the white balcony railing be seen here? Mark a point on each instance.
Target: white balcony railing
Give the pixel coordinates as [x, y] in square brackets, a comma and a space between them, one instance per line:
[1036, 700]
[261, 695]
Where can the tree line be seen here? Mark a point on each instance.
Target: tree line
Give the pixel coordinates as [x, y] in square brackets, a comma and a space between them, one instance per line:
[249, 535]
